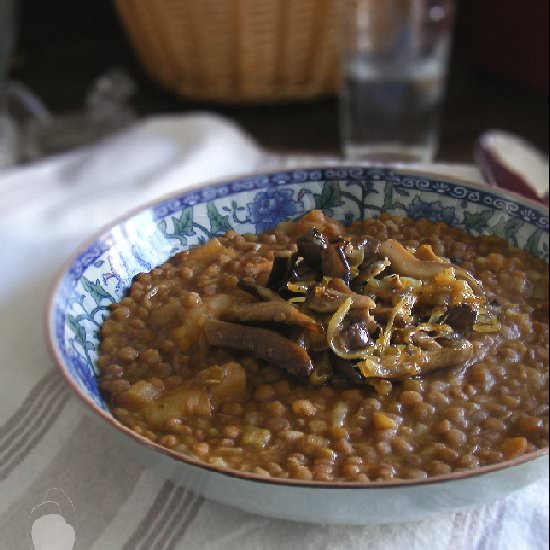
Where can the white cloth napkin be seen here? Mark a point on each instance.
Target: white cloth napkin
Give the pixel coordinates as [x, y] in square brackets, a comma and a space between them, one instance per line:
[55, 460]
[78, 192]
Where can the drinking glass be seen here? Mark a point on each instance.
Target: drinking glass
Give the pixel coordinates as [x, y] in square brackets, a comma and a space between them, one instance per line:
[395, 57]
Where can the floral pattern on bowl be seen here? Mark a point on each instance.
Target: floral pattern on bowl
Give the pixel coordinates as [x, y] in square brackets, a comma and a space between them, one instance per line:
[104, 269]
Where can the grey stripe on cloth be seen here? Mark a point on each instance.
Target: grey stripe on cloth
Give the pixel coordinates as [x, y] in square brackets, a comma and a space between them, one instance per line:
[33, 399]
[34, 431]
[23, 422]
[166, 520]
[155, 536]
[93, 472]
[150, 517]
[184, 523]
[178, 519]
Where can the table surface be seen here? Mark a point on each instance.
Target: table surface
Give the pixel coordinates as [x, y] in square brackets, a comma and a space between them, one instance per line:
[60, 53]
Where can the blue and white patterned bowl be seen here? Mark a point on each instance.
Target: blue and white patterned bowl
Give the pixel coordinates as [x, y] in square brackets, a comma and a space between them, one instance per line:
[104, 268]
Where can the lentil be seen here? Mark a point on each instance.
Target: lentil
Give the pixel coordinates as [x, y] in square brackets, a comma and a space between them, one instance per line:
[254, 417]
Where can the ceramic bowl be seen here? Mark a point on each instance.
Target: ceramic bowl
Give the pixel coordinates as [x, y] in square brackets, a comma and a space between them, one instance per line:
[103, 269]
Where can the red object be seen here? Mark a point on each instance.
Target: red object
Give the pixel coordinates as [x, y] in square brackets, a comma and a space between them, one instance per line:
[506, 37]
[500, 176]
[510, 162]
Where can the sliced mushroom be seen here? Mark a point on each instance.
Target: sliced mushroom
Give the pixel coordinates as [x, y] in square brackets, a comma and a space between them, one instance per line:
[461, 318]
[335, 263]
[402, 365]
[426, 253]
[261, 293]
[310, 247]
[355, 257]
[338, 284]
[356, 336]
[339, 341]
[323, 299]
[271, 312]
[406, 263]
[348, 370]
[282, 271]
[322, 371]
[424, 341]
[373, 266]
[429, 336]
[369, 245]
[401, 318]
[315, 341]
[264, 344]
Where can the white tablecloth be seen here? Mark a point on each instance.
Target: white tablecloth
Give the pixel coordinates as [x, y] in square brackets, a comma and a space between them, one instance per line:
[61, 480]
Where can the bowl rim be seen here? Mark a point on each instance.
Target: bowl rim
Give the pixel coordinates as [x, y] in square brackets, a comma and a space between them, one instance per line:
[249, 476]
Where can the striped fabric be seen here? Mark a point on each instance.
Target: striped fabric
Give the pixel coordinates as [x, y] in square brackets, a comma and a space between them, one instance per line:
[54, 456]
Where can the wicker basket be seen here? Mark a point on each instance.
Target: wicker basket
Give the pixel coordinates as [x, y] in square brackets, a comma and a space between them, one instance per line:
[237, 50]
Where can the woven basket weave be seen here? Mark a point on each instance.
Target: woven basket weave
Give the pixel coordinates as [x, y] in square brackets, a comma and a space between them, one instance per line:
[237, 50]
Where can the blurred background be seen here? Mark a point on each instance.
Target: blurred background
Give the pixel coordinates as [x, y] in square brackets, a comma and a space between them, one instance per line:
[498, 75]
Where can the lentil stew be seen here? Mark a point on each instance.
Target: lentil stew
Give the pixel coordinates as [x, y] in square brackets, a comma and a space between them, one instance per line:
[388, 349]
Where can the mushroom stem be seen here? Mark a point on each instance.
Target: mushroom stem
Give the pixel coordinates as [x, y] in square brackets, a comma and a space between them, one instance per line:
[406, 263]
[264, 344]
[398, 367]
[275, 312]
